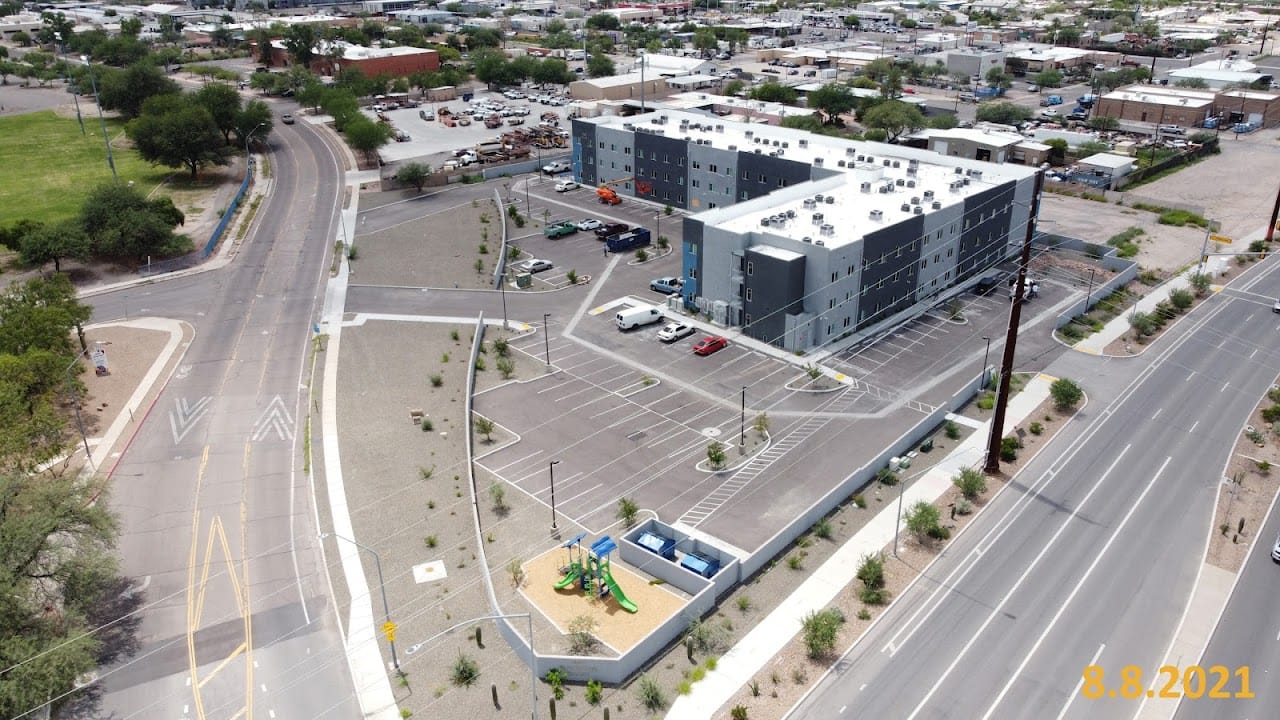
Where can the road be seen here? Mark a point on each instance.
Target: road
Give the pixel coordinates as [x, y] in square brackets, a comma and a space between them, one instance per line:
[214, 508]
[1090, 556]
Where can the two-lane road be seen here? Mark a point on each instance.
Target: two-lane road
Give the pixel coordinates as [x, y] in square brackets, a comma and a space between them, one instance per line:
[215, 510]
[1087, 559]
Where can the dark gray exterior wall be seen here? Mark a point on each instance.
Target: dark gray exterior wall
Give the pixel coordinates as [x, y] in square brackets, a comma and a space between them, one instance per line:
[662, 162]
[772, 288]
[891, 258]
[761, 174]
[983, 241]
[584, 152]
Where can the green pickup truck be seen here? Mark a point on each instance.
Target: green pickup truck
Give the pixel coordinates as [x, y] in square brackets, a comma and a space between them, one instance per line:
[560, 229]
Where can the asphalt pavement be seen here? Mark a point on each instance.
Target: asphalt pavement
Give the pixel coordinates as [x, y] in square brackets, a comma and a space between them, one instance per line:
[210, 492]
[1088, 558]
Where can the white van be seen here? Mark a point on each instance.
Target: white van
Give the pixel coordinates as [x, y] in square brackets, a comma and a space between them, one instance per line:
[632, 318]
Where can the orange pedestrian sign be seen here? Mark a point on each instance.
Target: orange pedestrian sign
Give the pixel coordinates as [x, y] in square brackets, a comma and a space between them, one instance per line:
[389, 628]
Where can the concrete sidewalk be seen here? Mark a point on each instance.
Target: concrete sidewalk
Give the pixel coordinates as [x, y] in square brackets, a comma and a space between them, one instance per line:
[768, 638]
[1096, 344]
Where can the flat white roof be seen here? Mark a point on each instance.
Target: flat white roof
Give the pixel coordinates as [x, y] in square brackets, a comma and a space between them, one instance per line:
[1050, 53]
[617, 80]
[1161, 95]
[776, 252]
[1225, 76]
[1110, 161]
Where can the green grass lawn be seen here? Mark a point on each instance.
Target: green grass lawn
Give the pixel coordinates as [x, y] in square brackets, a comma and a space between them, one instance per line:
[47, 167]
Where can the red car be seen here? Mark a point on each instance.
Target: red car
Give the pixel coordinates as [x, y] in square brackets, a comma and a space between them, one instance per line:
[710, 344]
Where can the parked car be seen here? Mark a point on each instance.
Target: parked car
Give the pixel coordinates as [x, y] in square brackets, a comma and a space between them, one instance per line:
[710, 344]
[589, 224]
[560, 229]
[604, 231]
[667, 285]
[556, 167]
[1276, 308]
[672, 332]
[1032, 87]
[566, 186]
[287, 119]
[535, 265]
[1048, 113]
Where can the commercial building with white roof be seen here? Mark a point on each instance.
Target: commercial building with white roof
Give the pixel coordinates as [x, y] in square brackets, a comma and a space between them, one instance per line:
[804, 238]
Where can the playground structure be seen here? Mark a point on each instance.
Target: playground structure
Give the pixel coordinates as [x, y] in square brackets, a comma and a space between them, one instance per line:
[590, 571]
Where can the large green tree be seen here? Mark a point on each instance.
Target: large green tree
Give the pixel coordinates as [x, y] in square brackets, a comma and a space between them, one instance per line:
[185, 136]
[894, 117]
[367, 136]
[223, 103]
[300, 43]
[43, 244]
[123, 224]
[1004, 113]
[833, 100]
[126, 90]
[600, 65]
[774, 92]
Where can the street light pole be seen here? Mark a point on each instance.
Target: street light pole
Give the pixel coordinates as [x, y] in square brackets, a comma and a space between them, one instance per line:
[93, 80]
[386, 609]
[75, 96]
[546, 337]
[248, 159]
[742, 421]
[551, 469]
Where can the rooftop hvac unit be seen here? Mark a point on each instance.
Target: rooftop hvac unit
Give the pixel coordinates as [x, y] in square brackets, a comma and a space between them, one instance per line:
[831, 199]
[886, 189]
[966, 181]
[917, 210]
[955, 186]
[887, 162]
[841, 163]
[786, 144]
[809, 203]
[866, 187]
[820, 243]
[687, 138]
[817, 218]
[915, 201]
[758, 151]
[911, 172]
[906, 207]
[628, 126]
[719, 128]
[791, 214]
[897, 164]
[967, 173]
[911, 183]
[928, 194]
[764, 222]
[684, 121]
[913, 163]
[959, 171]
[818, 197]
[750, 133]
[860, 158]
[773, 153]
[817, 161]
[803, 143]
[807, 239]
[977, 174]
[900, 182]
[870, 159]
[937, 205]
[888, 186]
[733, 147]
[776, 143]
[877, 214]
[828, 229]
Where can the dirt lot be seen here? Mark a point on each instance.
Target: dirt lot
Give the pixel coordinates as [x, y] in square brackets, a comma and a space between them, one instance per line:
[1252, 480]
[457, 247]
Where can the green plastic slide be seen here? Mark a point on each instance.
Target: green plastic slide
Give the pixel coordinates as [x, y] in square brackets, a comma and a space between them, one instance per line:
[623, 601]
[568, 580]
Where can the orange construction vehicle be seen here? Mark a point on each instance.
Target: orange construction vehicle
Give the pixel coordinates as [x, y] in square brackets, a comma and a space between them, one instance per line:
[609, 196]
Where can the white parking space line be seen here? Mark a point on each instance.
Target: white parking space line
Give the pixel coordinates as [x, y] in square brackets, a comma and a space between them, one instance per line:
[570, 381]
[530, 456]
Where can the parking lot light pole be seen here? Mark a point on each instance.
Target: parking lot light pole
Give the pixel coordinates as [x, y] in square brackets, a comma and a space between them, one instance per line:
[551, 470]
[382, 585]
[546, 337]
[742, 423]
[985, 356]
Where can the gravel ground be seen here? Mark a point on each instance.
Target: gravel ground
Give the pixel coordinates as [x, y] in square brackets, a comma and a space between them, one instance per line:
[446, 245]
[1246, 493]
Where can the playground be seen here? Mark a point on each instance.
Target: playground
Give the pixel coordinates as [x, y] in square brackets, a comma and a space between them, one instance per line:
[630, 608]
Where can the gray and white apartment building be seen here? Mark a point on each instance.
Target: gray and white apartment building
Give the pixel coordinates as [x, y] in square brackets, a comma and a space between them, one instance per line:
[800, 239]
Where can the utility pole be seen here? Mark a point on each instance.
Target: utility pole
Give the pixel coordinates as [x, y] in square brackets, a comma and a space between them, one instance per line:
[1011, 339]
[1275, 215]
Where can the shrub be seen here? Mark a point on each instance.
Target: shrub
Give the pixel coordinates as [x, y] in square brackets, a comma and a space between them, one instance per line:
[715, 454]
[642, 255]
[887, 477]
[430, 540]
[986, 401]
[1200, 283]
[698, 674]
[594, 692]
[1009, 448]
[465, 671]
[873, 597]
[555, 678]
[964, 507]
[1036, 428]
[744, 603]
[871, 571]
[754, 687]
[485, 427]
[436, 380]
[860, 501]
[1264, 467]
[651, 695]
[502, 347]
[795, 561]
[1181, 298]
[739, 712]
[453, 335]
[480, 365]
[820, 629]
[864, 614]
[684, 687]
[498, 494]
[627, 511]
[572, 276]
[1144, 323]
[582, 639]
[972, 483]
[924, 521]
[1271, 414]
[951, 430]
[1065, 393]
[822, 528]
[711, 663]
[506, 368]
[427, 425]
[761, 423]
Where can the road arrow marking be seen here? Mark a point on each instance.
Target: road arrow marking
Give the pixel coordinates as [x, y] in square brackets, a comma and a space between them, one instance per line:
[185, 415]
[276, 417]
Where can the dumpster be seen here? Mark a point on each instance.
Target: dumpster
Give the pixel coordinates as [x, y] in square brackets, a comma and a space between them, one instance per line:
[664, 547]
[700, 564]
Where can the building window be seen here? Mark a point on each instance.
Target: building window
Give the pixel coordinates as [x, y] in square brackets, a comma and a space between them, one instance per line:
[746, 175]
[693, 249]
[834, 276]
[666, 177]
[627, 168]
[750, 267]
[680, 197]
[696, 165]
[693, 272]
[711, 187]
[695, 183]
[712, 168]
[679, 179]
[614, 148]
[744, 195]
[680, 162]
[748, 318]
[748, 294]
[781, 182]
[711, 206]
[764, 178]
[601, 144]
[831, 304]
[626, 151]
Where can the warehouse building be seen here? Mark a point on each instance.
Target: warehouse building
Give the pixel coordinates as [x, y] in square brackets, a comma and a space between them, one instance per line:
[801, 239]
